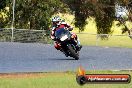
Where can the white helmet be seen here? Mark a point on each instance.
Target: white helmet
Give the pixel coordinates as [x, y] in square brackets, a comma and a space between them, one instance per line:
[56, 20]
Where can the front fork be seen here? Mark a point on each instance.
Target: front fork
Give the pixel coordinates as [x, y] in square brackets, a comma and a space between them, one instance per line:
[64, 50]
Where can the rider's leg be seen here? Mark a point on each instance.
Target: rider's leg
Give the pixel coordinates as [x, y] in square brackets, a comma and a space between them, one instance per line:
[79, 46]
[58, 47]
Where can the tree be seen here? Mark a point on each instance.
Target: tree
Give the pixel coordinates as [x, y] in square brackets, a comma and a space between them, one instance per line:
[2, 4]
[102, 10]
[32, 14]
[35, 14]
[122, 20]
[3, 13]
[128, 5]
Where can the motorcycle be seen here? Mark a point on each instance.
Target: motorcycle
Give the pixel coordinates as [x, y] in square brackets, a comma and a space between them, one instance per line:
[67, 43]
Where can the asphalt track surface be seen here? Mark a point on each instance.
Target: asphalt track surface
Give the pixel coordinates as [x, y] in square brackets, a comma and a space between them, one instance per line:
[29, 57]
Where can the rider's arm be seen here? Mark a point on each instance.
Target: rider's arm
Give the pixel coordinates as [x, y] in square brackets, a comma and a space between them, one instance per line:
[53, 33]
[68, 26]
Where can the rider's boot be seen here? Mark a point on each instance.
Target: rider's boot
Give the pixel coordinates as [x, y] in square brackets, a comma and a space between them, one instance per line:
[78, 46]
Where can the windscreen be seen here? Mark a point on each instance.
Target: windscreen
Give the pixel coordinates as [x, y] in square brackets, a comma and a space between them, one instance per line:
[60, 32]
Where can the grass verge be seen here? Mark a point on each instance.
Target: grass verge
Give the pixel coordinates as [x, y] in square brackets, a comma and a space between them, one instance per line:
[113, 41]
[54, 80]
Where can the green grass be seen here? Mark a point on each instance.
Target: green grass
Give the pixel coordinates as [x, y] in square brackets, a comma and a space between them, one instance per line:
[113, 41]
[58, 80]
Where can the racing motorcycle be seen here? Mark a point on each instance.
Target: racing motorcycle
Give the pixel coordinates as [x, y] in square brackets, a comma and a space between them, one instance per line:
[67, 43]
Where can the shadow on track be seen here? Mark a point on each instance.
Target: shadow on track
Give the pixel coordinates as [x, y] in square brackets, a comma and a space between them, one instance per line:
[64, 59]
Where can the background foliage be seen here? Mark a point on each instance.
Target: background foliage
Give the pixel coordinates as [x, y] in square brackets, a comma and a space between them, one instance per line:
[36, 14]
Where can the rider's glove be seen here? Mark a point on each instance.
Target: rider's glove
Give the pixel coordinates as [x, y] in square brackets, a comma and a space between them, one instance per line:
[70, 29]
[52, 37]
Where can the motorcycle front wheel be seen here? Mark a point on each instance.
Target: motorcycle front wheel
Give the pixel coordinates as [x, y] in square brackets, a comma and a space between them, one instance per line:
[73, 52]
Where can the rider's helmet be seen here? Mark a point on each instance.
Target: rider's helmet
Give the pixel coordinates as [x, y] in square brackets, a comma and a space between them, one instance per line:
[56, 20]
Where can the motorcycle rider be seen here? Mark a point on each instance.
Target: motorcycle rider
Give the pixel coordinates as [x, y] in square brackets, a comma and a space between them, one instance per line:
[57, 23]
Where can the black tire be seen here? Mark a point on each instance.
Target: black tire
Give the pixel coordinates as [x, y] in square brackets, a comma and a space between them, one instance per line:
[81, 80]
[73, 53]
